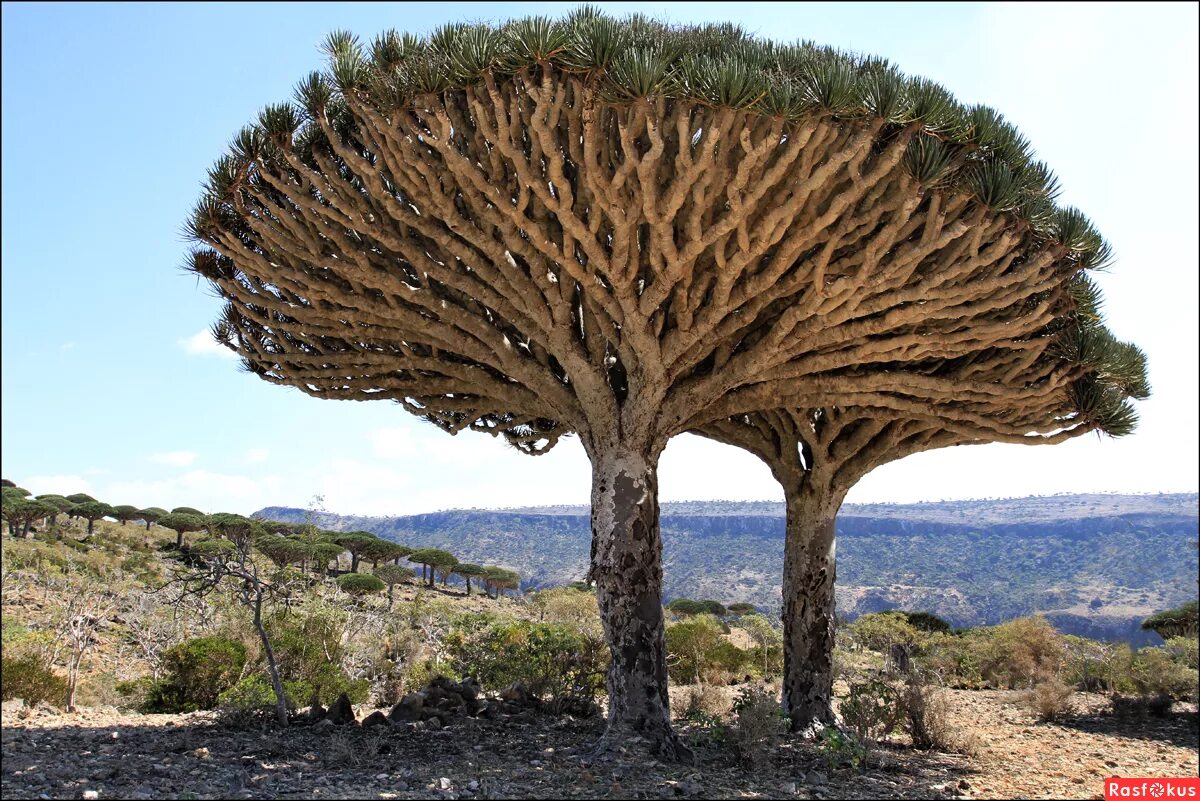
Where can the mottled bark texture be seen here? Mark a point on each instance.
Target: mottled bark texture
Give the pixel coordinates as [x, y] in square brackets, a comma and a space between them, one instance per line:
[627, 569]
[809, 574]
[529, 253]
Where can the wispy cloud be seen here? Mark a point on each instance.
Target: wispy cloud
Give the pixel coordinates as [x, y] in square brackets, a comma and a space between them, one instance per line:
[201, 343]
[174, 458]
[257, 455]
[66, 346]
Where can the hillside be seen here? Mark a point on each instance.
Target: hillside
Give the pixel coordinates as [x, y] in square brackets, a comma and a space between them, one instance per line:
[1094, 564]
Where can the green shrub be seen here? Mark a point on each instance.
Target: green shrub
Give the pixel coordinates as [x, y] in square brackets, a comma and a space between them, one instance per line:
[359, 583]
[553, 661]
[308, 652]
[839, 748]
[195, 673]
[28, 678]
[879, 631]
[1156, 673]
[1185, 651]
[697, 651]
[1020, 653]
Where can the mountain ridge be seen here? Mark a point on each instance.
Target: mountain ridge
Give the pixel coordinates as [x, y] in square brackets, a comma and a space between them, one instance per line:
[1095, 564]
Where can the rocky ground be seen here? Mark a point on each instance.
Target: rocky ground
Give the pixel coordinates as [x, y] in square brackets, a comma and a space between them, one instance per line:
[102, 753]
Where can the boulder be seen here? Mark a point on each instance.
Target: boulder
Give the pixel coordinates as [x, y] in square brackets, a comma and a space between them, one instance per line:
[341, 713]
[409, 708]
[376, 718]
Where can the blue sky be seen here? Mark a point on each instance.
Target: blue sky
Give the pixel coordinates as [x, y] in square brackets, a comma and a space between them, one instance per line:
[112, 114]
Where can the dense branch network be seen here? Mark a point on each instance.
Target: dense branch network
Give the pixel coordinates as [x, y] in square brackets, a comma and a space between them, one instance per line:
[522, 254]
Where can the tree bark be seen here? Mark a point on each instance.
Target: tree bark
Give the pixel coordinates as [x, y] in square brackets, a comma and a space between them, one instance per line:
[272, 668]
[809, 574]
[178, 540]
[627, 569]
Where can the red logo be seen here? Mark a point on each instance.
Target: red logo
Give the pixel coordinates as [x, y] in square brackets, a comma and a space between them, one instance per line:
[1152, 789]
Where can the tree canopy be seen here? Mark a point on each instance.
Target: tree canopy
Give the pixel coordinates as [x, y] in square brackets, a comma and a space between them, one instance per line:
[626, 230]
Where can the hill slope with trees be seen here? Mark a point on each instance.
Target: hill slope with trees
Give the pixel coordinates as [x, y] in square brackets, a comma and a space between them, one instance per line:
[1094, 564]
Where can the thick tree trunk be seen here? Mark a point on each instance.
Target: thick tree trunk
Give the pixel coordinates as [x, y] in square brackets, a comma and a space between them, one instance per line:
[91, 527]
[809, 573]
[353, 563]
[627, 569]
[178, 540]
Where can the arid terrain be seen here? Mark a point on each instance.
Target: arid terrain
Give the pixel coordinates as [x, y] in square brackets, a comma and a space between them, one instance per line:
[48, 754]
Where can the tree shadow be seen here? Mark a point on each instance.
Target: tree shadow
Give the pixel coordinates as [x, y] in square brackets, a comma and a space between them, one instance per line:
[530, 756]
[1179, 727]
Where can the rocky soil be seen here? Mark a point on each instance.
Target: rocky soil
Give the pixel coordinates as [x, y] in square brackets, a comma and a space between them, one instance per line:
[103, 753]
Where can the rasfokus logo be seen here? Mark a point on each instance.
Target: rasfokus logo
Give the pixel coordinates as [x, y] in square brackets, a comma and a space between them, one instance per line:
[1151, 788]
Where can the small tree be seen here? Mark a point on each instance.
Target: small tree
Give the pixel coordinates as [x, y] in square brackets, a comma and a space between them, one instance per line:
[150, 515]
[768, 638]
[230, 564]
[59, 504]
[357, 543]
[433, 559]
[468, 571]
[182, 523]
[499, 579]
[86, 608]
[80, 497]
[124, 513]
[91, 511]
[282, 551]
[741, 609]
[1182, 621]
[20, 512]
[187, 510]
[391, 575]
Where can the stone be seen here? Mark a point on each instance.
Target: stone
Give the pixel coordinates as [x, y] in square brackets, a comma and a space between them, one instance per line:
[13, 706]
[90, 795]
[376, 718]
[409, 708]
[816, 778]
[444, 783]
[515, 693]
[341, 713]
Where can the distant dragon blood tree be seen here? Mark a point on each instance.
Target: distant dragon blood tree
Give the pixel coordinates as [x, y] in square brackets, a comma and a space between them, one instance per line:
[628, 230]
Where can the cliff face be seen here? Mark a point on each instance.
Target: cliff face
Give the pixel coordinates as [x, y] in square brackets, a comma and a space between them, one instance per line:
[1095, 564]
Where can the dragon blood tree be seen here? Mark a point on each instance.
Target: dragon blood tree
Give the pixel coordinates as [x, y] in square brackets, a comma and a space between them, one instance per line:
[623, 230]
[1081, 380]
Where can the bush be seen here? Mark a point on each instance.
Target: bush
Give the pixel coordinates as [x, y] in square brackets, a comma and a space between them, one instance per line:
[759, 723]
[308, 652]
[196, 672]
[553, 661]
[879, 631]
[1184, 651]
[30, 679]
[697, 651]
[1020, 653]
[872, 710]
[1156, 673]
[359, 583]
[926, 716]
[1049, 699]
[839, 748]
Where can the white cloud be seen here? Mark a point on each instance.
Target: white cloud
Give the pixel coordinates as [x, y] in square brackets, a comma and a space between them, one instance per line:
[57, 485]
[66, 346]
[202, 343]
[393, 443]
[96, 471]
[257, 455]
[174, 458]
[203, 489]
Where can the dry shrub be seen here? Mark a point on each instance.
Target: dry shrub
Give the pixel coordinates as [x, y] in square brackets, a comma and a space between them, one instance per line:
[705, 700]
[1049, 699]
[759, 724]
[1137, 706]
